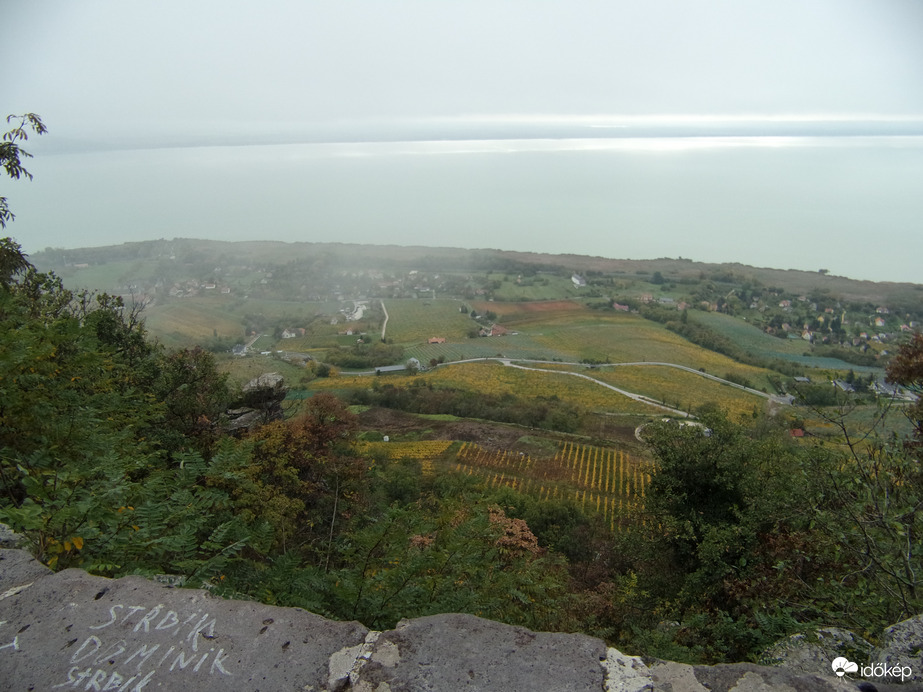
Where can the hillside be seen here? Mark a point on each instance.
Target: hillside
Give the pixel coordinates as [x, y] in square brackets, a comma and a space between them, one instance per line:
[548, 447]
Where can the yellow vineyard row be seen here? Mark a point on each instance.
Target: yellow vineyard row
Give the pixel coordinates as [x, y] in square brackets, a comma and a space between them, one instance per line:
[471, 453]
[602, 469]
[599, 469]
[614, 509]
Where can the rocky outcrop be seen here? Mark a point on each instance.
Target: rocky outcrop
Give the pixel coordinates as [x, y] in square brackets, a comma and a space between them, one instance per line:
[902, 645]
[260, 402]
[813, 652]
[73, 631]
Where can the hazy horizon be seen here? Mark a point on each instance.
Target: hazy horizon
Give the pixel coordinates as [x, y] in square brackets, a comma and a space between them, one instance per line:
[784, 134]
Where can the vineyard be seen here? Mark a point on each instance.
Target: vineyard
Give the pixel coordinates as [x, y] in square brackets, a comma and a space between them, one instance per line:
[424, 451]
[497, 379]
[680, 389]
[601, 480]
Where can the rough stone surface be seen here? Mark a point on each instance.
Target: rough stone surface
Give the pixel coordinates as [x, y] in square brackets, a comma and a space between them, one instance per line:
[626, 673]
[9, 538]
[902, 645]
[18, 569]
[73, 631]
[747, 677]
[463, 652]
[813, 652]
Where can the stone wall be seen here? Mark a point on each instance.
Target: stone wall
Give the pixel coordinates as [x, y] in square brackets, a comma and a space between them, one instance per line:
[74, 631]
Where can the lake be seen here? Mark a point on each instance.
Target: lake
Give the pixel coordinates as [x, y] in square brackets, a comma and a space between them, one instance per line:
[849, 204]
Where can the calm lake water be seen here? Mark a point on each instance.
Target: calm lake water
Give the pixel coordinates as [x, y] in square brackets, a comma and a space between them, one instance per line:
[853, 205]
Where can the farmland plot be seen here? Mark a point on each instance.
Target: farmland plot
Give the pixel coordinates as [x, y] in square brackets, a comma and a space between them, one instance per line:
[195, 321]
[601, 480]
[496, 379]
[683, 390]
[416, 321]
[521, 346]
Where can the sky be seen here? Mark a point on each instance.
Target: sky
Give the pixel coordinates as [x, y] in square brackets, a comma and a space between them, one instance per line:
[112, 75]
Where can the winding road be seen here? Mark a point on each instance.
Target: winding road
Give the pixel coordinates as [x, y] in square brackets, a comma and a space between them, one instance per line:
[384, 325]
[508, 362]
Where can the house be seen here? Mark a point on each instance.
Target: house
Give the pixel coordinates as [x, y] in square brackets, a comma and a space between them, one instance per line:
[882, 311]
[879, 322]
[579, 281]
[885, 389]
[437, 340]
[845, 386]
[619, 306]
[785, 303]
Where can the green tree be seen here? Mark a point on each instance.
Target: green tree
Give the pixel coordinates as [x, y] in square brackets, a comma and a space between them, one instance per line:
[305, 477]
[83, 474]
[12, 154]
[195, 396]
[728, 504]
[449, 555]
[71, 405]
[906, 369]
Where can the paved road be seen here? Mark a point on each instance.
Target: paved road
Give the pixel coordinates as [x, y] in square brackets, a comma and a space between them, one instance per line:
[384, 325]
[631, 395]
[636, 397]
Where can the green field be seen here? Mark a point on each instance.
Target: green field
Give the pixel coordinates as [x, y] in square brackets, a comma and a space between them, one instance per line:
[545, 317]
[679, 389]
[415, 321]
[756, 341]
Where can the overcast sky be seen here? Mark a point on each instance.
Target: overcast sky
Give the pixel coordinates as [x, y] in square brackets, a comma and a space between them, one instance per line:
[107, 69]
[197, 64]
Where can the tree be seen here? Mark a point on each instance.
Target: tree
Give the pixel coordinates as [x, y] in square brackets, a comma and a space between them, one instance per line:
[729, 512]
[12, 261]
[305, 475]
[867, 507]
[12, 154]
[906, 369]
[195, 396]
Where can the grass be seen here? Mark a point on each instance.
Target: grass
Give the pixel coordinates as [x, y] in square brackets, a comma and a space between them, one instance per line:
[242, 370]
[417, 320]
[680, 389]
[195, 320]
[754, 340]
[496, 379]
